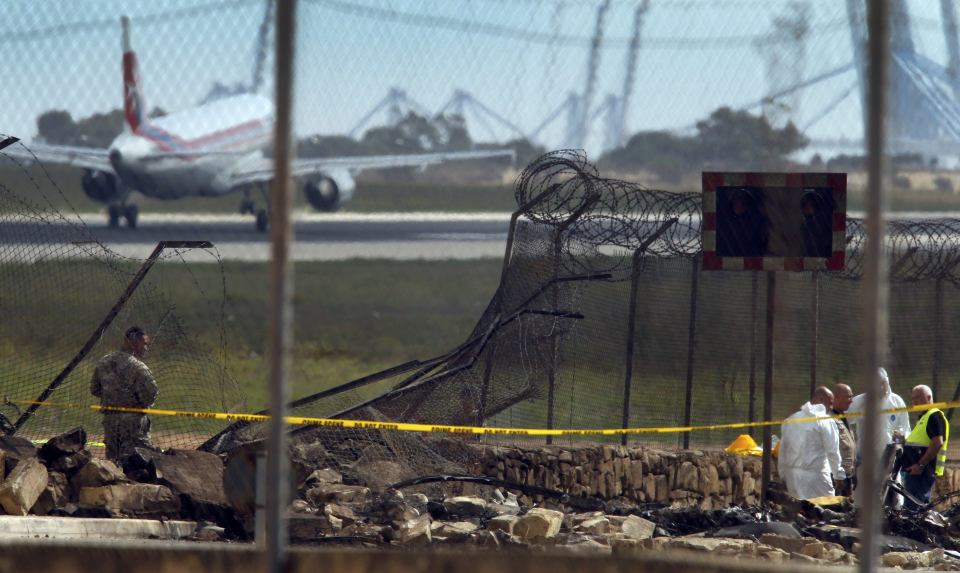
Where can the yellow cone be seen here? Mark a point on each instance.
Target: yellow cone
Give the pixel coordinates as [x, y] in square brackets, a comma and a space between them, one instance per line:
[744, 445]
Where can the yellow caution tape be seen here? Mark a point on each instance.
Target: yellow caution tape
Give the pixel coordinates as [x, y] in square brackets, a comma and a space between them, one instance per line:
[437, 428]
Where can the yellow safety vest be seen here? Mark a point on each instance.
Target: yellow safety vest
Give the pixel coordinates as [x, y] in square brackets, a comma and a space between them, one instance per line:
[919, 438]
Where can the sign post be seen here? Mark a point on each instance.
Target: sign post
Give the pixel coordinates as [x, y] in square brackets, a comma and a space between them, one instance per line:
[768, 387]
[774, 222]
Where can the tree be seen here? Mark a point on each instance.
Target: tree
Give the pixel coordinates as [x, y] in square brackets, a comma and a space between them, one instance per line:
[418, 134]
[736, 139]
[727, 139]
[100, 129]
[56, 127]
[664, 153]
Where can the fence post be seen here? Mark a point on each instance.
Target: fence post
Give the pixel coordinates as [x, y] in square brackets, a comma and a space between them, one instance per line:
[955, 398]
[552, 370]
[691, 345]
[488, 363]
[632, 320]
[814, 344]
[279, 339]
[754, 292]
[768, 385]
[875, 278]
[631, 332]
[937, 334]
[554, 304]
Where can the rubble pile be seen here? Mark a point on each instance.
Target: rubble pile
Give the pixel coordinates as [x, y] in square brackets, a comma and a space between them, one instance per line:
[327, 510]
[63, 478]
[604, 499]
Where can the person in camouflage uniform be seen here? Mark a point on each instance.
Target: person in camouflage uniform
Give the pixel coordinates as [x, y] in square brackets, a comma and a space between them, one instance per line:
[122, 379]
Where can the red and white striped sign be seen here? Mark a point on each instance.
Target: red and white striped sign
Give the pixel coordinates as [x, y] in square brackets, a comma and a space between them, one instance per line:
[832, 185]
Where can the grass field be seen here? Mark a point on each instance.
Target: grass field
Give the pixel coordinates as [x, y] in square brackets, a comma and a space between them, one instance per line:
[353, 318]
[350, 318]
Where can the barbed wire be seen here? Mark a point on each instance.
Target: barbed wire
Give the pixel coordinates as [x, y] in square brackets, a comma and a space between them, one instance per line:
[564, 190]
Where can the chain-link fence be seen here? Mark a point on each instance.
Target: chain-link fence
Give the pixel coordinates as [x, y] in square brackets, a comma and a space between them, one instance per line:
[508, 68]
[600, 315]
[552, 73]
[604, 318]
[68, 300]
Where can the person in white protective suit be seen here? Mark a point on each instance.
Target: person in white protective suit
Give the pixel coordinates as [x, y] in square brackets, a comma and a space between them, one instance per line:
[897, 424]
[809, 461]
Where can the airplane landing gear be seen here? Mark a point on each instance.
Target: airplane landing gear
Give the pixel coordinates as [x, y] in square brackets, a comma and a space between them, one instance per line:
[247, 205]
[261, 216]
[128, 213]
[113, 216]
[263, 220]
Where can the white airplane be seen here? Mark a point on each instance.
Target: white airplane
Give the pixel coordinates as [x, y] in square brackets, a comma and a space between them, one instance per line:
[210, 150]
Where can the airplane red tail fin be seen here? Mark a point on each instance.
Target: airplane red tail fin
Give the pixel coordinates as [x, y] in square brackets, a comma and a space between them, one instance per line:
[134, 107]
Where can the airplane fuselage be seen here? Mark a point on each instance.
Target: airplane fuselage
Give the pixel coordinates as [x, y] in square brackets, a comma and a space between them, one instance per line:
[156, 159]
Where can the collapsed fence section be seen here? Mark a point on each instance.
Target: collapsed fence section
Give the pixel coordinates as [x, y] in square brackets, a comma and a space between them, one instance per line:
[67, 301]
[605, 318]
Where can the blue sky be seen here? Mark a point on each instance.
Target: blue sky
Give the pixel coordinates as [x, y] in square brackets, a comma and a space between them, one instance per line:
[519, 57]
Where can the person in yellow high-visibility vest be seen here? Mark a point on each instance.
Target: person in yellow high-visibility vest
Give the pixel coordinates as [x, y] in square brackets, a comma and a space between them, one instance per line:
[925, 451]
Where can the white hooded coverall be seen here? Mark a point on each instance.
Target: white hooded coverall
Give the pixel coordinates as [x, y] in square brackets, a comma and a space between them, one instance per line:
[809, 458]
[899, 421]
[891, 422]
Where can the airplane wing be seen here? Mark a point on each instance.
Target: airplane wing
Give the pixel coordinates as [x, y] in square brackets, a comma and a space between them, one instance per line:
[85, 157]
[262, 169]
[253, 170]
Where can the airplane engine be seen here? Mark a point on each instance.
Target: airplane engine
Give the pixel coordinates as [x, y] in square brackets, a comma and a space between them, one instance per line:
[327, 192]
[100, 186]
[323, 194]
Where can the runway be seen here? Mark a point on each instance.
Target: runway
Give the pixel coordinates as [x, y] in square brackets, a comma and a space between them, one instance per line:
[318, 237]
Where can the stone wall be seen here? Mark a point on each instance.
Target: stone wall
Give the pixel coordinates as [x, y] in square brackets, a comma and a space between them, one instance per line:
[705, 478]
[708, 479]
